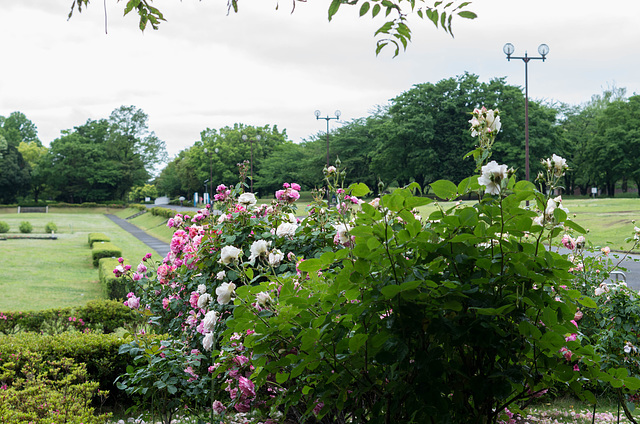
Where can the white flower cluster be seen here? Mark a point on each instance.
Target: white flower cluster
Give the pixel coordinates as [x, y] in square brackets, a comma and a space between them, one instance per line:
[485, 121]
[556, 165]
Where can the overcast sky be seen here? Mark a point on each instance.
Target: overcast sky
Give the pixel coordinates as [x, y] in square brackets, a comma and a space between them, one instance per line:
[204, 69]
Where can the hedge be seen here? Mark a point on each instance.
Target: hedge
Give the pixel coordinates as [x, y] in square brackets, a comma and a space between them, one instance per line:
[97, 315]
[104, 250]
[163, 212]
[96, 237]
[98, 351]
[113, 287]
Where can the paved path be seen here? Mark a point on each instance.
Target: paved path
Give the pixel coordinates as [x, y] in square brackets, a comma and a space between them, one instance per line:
[159, 246]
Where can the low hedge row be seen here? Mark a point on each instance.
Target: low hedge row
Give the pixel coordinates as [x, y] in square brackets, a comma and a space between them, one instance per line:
[99, 352]
[163, 212]
[114, 287]
[103, 316]
[97, 237]
[114, 205]
[104, 250]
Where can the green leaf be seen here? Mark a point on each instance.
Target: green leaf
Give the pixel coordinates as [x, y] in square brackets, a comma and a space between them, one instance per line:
[390, 291]
[359, 189]
[453, 305]
[311, 265]
[282, 377]
[574, 226]
[364, 8]
[333, 8]
[467, 14]
[376, 10]
[357, 341]
[444, 189]
[587, 302]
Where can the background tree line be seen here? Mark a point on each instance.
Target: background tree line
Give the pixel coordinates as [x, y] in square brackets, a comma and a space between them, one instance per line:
[421, 135]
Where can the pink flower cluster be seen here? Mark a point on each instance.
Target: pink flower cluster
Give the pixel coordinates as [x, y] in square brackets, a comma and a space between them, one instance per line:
[290, 194]
[132, 301]
[222, 193]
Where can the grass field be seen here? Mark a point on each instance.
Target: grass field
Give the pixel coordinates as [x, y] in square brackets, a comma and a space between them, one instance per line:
[609, 221]
[42, 274]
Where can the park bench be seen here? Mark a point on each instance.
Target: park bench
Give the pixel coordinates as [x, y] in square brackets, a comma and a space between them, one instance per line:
[33, 209]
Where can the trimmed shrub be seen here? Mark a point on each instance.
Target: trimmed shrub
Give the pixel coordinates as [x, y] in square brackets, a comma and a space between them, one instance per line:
[104, 250]
[26, 227]
[97, 315]
[114, 287]
[163, 212]
[4, 227]
[47, 391]
[50, 227]
[97, 237]
[107, 315]
[99, 352]
[138, 207]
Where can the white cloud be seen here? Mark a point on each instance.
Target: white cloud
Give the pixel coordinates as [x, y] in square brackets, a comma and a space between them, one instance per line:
[262, 66]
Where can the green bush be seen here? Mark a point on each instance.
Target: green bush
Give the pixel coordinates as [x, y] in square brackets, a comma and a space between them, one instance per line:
[4, 227]
[50, 227]
[97, 237]
[98, 352]
[114, 287]
[163, 212]
[47, 391]
[26, 227]
[97, 315]
[104, 250]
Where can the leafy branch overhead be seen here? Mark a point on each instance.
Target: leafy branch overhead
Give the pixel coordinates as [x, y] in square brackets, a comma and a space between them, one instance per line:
[395, 31]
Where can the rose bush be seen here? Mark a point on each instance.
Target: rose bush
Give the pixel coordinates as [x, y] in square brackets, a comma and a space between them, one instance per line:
[368, 312]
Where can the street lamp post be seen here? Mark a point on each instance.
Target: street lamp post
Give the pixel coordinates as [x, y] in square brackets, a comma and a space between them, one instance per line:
[245, 138]
[543, 50]
[328, 118]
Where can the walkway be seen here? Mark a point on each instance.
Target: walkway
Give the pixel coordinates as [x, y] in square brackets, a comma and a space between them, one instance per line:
[159, 246]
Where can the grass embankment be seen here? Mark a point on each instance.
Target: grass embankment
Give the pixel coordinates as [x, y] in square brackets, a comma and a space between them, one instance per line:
[609, 221]
[43, 274]
[150, 224]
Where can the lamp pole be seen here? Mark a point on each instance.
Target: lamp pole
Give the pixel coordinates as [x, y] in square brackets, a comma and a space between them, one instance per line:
[328, 118]
[245, 138]
[543, 50]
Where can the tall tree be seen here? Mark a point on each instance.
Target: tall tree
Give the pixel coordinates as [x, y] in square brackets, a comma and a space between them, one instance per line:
[14, 170]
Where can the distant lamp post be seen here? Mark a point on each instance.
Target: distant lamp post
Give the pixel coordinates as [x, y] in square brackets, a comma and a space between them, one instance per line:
[245, 138]
[328, 118]
[543, 50]
[208, 153]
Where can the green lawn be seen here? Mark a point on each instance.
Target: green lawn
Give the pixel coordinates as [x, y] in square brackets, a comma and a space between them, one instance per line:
[609, 221]
[42, 274]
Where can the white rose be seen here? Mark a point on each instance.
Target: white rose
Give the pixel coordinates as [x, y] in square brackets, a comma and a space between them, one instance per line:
[247, 199]
[286, 229]
[202, 289]
[258, 248]
[341, 233]
[221, 275]
[210, 320]
[559, 165]
[492, 176]
[224, 292]
[222, 218]
[204, 300]
[275, 257]
[207, 343]
[493, 121]
[230, 254]
[263, 299]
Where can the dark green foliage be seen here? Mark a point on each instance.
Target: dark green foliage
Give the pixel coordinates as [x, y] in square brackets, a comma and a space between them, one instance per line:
[4, 227]
[26, 227]
[97, 237]
[99, 352]
[104, 250]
